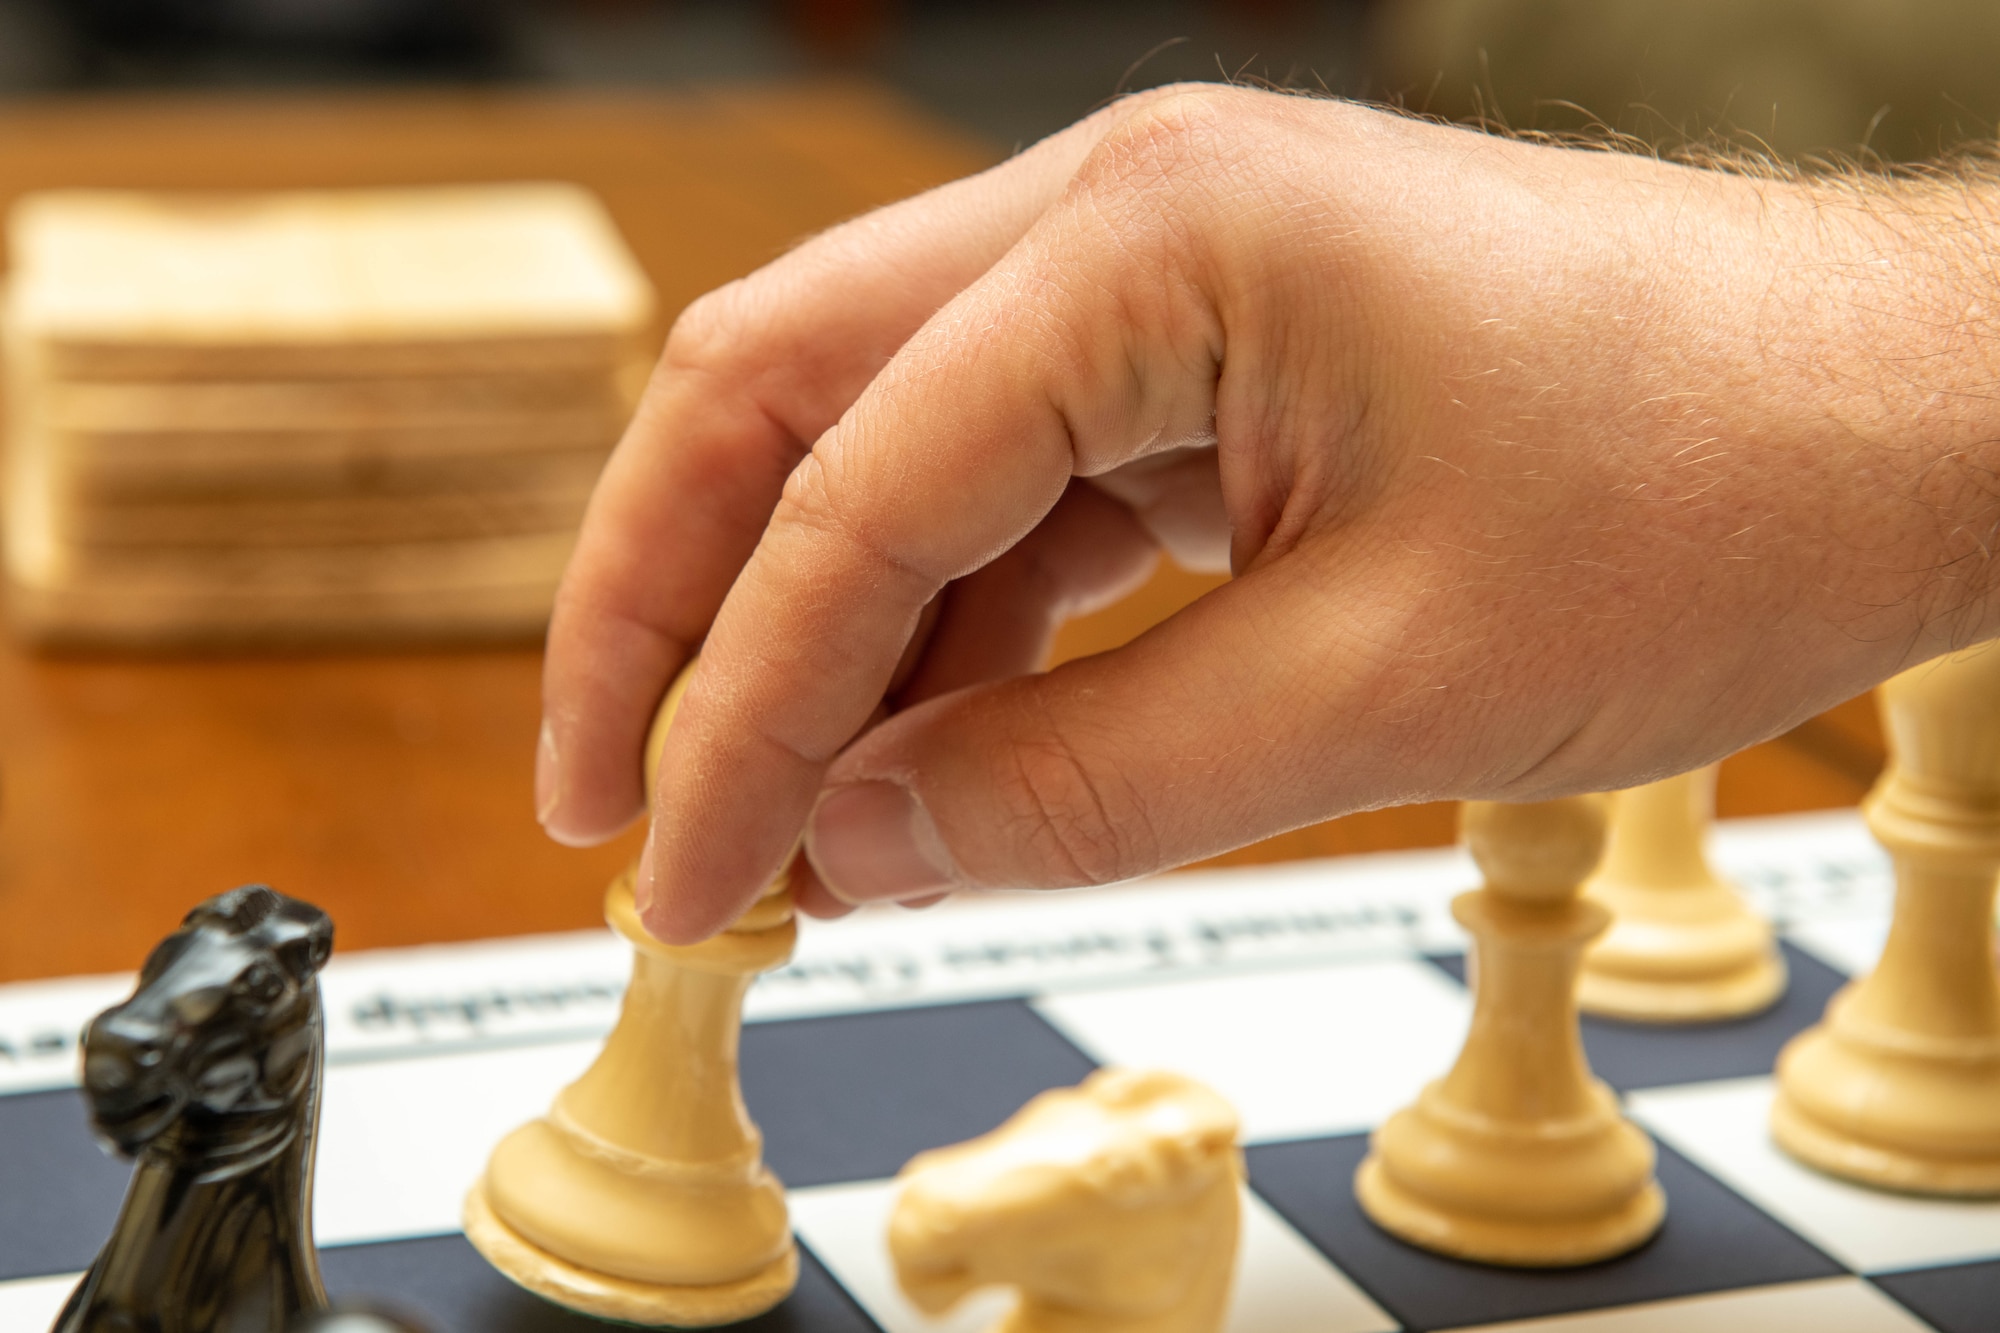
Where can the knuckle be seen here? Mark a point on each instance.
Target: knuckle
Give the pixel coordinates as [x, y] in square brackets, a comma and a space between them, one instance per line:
[1189, 100]
[716, 333]
[812, 499]
[1159, 133]
[817, 499]
[1076, 821]
[1160, 170]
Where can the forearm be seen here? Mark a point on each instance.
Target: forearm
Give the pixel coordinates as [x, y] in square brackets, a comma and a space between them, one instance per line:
[1883, 336]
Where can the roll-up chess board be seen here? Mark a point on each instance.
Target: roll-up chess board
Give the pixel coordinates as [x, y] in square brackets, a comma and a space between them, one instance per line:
[1317, 996]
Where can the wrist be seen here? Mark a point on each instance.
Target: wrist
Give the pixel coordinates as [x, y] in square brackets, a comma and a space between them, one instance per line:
[1889, 327]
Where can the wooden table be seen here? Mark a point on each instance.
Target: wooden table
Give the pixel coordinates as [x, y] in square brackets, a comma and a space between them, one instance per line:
[394, 788]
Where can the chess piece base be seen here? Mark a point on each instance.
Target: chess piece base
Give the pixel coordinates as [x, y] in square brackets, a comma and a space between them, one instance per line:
[602, 1296]
[1687, 954]
[1825, 1149]
[1913, 1121]
[1508, 1242]
[1701, 998]
[1541, 1194]
[1521, 1193]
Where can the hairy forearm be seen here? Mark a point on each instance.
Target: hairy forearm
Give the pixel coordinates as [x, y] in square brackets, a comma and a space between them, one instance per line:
[1894, 315]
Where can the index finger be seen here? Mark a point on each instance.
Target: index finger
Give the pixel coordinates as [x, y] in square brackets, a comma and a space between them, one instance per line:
[955, 452]
[752, 374]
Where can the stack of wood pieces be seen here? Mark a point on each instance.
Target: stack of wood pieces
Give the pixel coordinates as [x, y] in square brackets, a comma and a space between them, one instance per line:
[315, 416]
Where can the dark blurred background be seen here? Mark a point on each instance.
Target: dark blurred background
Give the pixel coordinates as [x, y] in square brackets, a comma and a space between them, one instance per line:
[1897, 79]
[1012, 72]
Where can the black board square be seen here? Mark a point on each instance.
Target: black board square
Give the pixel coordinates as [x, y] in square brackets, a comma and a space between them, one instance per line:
[1962, 1298]
[59, 1192]
[854, 1097]
[1630, 1056]
[443, 1281]
[1713, 1240]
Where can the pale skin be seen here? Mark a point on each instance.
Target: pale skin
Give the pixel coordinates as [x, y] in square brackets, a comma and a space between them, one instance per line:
[1540, 470]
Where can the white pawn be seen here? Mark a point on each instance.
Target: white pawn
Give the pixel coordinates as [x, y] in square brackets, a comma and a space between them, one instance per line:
[1683, 945]
[1113, 1206]
[642, 1196]
[1899, 1085]
[1518, 1155]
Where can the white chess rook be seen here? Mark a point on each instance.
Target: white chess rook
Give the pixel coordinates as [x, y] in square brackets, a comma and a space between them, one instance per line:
[1683, 945]
[1519, 1156]
[1899, 1085]
[642, 1195]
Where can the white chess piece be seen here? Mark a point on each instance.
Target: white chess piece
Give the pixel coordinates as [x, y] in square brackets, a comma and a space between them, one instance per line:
[1112, 1207]
[642, 1195]
[1683, 945]
[1899, 1085]
[1518, 1155]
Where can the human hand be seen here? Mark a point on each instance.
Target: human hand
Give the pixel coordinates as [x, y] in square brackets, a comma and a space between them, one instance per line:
[1540, 471]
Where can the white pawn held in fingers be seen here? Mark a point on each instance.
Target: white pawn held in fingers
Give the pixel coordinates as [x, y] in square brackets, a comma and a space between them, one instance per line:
[1110, 1207]
[1899, 1085]
[642, 1196]
[1683, 945]
[1518, 1155]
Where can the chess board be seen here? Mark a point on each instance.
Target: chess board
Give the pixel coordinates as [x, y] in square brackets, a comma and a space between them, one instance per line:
[1317, 996]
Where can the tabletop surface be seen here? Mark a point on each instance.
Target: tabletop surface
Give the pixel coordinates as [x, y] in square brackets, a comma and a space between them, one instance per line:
[393, 788]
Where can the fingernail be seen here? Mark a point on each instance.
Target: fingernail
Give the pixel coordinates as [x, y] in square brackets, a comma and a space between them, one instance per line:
[545, 775]
[872, 841]
[642, 878]
[662, 920]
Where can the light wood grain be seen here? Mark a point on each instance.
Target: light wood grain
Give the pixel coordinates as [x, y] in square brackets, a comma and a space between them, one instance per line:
[199, 276]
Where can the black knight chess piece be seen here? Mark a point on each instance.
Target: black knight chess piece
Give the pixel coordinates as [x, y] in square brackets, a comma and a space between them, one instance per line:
[209, 1077]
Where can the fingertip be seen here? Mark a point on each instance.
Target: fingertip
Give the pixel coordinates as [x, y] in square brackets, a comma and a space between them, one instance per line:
[645, 892]
[548, 795]
[669, 913]
[873, 841]
[657, 911]
[569, 836]
[811, 897]
[563, 824]
[563, 797]
[672, 921]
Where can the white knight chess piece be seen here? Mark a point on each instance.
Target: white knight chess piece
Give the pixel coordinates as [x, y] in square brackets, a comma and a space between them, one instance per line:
[1113, 1206]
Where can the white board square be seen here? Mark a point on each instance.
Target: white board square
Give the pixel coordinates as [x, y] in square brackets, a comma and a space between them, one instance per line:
[1842, 1304]
[1723, 1127]
[1850, 943]
[401, 1141]
[31, 1304]
[1301, 1054]
[1283, 1285]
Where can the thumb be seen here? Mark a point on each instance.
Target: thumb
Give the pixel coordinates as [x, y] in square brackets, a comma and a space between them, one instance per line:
[1246, 714]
